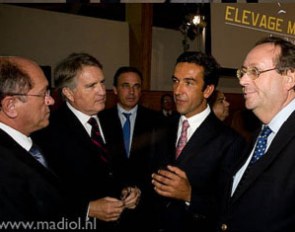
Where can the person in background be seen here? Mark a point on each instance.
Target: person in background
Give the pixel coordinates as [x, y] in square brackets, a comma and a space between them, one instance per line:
[81, 155]
[131, 154]
[168, 106]
[261, 191]
[29, 191]
[219, 104]
[194, 154]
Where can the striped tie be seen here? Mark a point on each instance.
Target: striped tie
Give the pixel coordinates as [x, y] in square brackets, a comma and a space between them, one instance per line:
[97, 139]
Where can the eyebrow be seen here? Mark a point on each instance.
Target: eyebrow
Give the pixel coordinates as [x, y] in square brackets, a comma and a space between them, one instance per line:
[185, 79]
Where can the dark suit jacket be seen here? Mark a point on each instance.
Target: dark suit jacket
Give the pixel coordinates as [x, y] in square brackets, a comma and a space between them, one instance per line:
[207, 156]
[266, 199]
[28, 191]
[134, 170]
[76, 160]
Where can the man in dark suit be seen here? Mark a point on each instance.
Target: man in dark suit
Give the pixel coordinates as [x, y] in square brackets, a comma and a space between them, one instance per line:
[195, 152]
[168, 107]
[80, 154]
[261, 190]
[132, 160]
[29, 191]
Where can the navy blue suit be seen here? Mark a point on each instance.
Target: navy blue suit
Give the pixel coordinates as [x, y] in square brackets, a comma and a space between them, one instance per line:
[265, 202]
[28, 191]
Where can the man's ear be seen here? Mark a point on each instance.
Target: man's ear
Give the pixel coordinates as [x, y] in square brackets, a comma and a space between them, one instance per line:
[289, 77]
[68, 93]
[208, 91]
[8, 106]
[115, 90]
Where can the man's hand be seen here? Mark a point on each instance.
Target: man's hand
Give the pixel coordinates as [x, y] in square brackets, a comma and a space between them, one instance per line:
[173, 183]
[131, 197]
[106, 209]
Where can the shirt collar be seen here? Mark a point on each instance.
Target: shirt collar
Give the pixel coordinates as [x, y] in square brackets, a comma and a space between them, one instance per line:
[276, 123]
[83, 118]
[23, 140]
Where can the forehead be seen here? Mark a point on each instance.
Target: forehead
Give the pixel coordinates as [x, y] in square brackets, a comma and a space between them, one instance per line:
[129, 77]
[34, 71]
[188, 70]
[263, 55]
[89, 72]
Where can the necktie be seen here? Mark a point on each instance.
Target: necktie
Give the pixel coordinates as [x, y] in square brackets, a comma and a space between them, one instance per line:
[261, 144]
[126, 132]
[183, 138]
[97, 139]
[258, 152]
[36, 153]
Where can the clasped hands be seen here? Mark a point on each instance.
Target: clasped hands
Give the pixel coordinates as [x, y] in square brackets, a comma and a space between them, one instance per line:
[172, 182]
[110, 208]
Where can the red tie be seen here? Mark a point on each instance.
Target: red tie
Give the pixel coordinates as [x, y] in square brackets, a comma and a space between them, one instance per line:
[97, 139]
[182, 139]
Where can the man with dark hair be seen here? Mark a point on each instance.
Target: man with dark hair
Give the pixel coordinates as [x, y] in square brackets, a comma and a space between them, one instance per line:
[130, 151]
[261, 191]
[194, 152]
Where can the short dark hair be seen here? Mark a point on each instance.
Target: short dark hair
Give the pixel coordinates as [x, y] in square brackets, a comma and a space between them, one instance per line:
[213, 97]
[210, 65]
[126, 69]
[286, 59]
[66, 71]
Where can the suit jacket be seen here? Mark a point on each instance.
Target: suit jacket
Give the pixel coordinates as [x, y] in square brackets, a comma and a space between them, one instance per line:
[28, 191]
[206, 158]
[76, 160]
[134, 170]
[266, 199]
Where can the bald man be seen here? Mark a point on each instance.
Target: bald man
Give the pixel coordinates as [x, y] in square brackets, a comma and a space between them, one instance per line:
[29, 191]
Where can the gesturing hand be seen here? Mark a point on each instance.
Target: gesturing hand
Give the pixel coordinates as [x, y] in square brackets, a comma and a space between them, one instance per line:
[173, 183]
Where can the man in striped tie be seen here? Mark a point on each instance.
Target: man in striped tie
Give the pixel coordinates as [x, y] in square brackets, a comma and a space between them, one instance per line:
[80, 154]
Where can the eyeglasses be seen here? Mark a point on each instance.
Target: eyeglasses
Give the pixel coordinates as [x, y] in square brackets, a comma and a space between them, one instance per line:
[43, 95]
[252, 72]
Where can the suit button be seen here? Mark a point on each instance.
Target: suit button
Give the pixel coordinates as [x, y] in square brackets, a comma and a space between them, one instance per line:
[223, 227]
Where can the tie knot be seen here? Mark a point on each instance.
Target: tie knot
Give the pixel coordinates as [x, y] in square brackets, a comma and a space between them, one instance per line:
[265, 132]
[127, 115]
[92, 122]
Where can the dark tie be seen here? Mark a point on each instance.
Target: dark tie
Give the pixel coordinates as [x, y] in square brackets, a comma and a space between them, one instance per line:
[36, 153]
[183, 138]
[261, 144]
[126, 132]
[97, 140]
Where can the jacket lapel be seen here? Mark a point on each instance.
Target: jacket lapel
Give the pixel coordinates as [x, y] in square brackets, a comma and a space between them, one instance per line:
[284, 135]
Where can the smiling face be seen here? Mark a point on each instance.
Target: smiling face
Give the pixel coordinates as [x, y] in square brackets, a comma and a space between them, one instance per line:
[188, 84]
[269, 93]
[89, 94]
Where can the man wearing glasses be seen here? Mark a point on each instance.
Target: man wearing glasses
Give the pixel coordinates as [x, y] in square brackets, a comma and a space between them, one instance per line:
[261, 195]
[29, 191]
